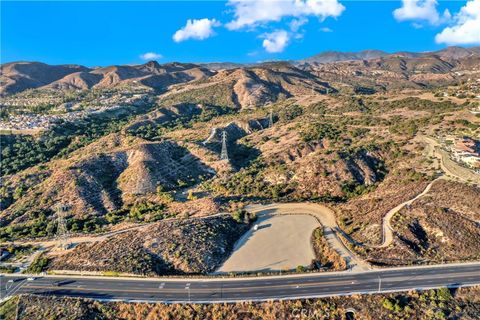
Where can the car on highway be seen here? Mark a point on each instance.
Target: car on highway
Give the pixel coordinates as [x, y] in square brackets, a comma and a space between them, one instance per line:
[62, 282]
[30, 278]
[15, 280]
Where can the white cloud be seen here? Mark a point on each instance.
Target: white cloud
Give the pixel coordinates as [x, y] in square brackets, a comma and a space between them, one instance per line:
[295, 24]
[196, 29]
[150, 56]
[466, 29]
[326, 29]
[420, 10]
[250, 13]
[275, 41]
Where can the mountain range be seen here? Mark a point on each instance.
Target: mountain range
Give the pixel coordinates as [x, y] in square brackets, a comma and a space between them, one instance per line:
[18, 76]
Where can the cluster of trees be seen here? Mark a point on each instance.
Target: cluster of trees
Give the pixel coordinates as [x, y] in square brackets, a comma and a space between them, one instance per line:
[250, 182]
[148, 212]
[216, 95]
[432, 302]
[243, 216]
[290, 112]
[318, 131]
[37, 226]
[38, 265]
[20, 151]
[355, 189]
[410, 127]
[418, 104]
[153, 131]
[40, 223]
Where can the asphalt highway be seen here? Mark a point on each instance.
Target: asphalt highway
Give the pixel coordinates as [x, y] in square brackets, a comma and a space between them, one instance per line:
[212, 290]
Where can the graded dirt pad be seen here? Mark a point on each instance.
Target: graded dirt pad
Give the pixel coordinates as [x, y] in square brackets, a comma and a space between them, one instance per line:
[281, 242]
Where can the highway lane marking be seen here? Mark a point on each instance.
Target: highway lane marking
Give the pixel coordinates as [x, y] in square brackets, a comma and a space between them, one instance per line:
[245, 289]
[365, 282]
[193, 290]
[406, 279]
[321, 284]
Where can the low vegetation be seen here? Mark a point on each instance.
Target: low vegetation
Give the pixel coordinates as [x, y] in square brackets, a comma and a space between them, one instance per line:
[186, 246]
[326, 258]
[428, 230]
[461, 304]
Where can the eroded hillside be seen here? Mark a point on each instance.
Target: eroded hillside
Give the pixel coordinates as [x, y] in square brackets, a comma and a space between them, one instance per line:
[316, 132]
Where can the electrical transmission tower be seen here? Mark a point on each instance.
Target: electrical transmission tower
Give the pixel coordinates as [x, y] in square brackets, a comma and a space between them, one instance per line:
[224, 153]
[270, 120]
[62, 231]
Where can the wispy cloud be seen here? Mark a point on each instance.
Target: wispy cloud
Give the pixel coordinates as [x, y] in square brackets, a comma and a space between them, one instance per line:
[325, 29]
[150, 56]
[295, 24]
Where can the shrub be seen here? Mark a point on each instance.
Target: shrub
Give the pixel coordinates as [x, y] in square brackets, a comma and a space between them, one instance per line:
[38, 265]
[388, 304]
[300, 269]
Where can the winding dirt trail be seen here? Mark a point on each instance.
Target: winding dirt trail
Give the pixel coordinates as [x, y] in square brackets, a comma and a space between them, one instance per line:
[450, 169]
[387, 230]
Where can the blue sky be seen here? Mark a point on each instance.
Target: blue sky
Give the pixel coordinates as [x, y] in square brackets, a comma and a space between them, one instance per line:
[106, 33]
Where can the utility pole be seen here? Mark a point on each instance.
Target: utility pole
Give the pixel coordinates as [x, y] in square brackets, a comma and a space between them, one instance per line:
[270, 120]
[224, 153]
[62, 231]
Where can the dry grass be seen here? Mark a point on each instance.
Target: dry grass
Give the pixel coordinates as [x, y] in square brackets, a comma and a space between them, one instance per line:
[173, 246]
[461, 304]
[441, 226]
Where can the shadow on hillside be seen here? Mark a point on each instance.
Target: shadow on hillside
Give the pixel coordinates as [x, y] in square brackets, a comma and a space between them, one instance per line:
[242, 156]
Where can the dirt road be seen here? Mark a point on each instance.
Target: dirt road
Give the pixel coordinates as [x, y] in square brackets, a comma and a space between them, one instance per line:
[449, 167]
[387, 230]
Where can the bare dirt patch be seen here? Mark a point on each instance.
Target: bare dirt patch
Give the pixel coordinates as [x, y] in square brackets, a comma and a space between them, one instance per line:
[281, 242]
